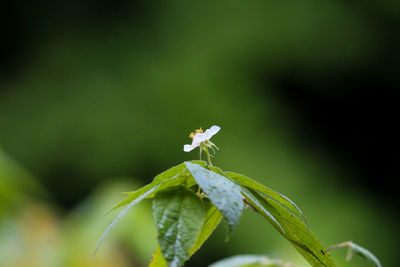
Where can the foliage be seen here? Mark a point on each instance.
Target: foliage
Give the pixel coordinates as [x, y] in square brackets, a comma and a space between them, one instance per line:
[250, 261]
[190, 199]
[187, 196]
[264, 261]
[358, 250]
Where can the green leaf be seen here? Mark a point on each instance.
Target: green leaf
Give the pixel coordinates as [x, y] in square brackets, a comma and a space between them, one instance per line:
[158, 259]
[213, 218]
[169, 178]
[168, 175]
[256, 205]
[239, 260]
[366, 254]
[249, 261]
[249, 197]
[222, 192]
[279, 198]
[354, 248]
[202, 163]
[295, 231]
[179, 216]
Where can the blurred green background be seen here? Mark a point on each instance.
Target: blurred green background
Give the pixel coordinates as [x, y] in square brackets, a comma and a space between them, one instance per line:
[97, 97]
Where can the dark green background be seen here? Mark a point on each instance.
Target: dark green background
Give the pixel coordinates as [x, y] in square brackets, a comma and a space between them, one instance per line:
[305, 93]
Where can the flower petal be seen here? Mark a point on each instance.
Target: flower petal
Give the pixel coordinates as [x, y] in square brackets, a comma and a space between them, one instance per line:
[201, 137]
[188, 148]
[198, 138]
[212, 131]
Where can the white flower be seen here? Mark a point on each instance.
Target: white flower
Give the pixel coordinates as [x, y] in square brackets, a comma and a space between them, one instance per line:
[202, 138]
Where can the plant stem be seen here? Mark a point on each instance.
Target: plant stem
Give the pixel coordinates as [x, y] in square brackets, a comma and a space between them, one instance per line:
[208, 156]
[340, 245]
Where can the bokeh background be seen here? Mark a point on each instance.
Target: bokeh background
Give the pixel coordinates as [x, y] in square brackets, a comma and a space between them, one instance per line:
[97, 97]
